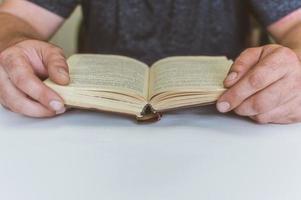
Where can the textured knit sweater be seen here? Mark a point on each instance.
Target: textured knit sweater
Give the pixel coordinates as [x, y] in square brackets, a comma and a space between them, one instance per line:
[152, 29]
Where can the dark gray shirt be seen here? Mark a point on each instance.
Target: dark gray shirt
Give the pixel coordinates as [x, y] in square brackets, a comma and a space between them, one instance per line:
[152, 29]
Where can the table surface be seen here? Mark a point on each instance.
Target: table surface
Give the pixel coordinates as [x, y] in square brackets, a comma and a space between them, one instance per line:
[192, 154]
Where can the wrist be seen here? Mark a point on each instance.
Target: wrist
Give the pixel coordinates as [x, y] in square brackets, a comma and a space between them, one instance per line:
[297, 52]
[12, 40]
[15, 30]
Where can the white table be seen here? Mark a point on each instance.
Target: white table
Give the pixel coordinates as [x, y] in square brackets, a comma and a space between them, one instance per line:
[193, 155]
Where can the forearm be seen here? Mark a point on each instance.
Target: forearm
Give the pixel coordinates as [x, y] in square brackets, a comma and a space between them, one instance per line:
[292, 39]
[14, 29]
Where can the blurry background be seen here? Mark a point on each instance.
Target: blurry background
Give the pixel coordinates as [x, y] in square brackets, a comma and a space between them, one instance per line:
[67, 36]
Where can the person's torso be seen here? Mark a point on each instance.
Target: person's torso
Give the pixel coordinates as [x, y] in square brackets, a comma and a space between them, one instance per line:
[152, 29]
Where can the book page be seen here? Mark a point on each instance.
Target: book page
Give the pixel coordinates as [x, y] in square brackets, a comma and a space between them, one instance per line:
[188, 74]
[108, 73]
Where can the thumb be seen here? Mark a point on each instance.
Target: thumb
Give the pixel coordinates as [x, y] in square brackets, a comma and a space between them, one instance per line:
[56, 64]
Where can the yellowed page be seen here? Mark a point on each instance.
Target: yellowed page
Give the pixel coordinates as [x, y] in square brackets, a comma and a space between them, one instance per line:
[188, 74]
[104, 102]
[108, 73]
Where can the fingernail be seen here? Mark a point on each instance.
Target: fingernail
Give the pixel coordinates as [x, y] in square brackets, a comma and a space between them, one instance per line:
[63, 72]
[61, 111]
[57, 106]
[232, 76]
[223, 106]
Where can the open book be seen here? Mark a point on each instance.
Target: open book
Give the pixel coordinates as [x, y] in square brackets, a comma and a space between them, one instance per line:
[124, 85]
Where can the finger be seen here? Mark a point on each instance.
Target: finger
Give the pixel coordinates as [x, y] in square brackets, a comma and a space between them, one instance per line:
[266, 100]
[16, 101]
[243, 63]
[266, 72]
[55, 62]
[283, 114]
[247, 60]
[21, 74]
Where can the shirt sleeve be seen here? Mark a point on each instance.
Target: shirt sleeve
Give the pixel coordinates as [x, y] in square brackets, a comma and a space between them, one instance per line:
[63, 8]
[270, 11]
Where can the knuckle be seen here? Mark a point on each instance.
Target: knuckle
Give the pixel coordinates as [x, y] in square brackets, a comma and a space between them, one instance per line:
[20, 80]
[271, 47]
[13, 63]
[14, 69]
[290, 57]
[58, 63]
[258, 105]
[235, 95]
[5, 57]
[240, 111]
[243, 60]
[9, 53]
[250, 50]
[56, 59]
[56, 49]
[256, 80]
[262, 119]
[286, 52]
[239, 65]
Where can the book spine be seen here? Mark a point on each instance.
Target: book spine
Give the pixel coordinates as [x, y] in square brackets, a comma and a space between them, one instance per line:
[149, 114]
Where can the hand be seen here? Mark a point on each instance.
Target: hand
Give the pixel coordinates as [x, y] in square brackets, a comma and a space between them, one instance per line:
[264, 84]
[22, 66]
